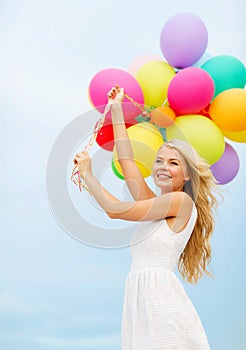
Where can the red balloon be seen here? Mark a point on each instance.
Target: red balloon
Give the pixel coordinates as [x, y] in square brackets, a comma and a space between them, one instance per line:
[205, 112]
[105, 136]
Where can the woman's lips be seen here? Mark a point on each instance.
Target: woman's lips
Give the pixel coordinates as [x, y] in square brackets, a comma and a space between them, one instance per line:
[163, 176]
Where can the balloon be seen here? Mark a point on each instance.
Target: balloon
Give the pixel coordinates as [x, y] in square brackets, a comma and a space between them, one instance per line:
[183, 40]
[104, 80]
[145, 139]
[203, 134]
[228, 110]
[190, 90]
[116, 171]
[154, 78]
[237, 136]
[162, 116]
[226, 168]
[227, 72]
[105, 136]
[205, 112]
[140, 61]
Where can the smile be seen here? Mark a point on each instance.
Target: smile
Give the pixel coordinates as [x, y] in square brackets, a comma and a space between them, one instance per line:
[163, 176]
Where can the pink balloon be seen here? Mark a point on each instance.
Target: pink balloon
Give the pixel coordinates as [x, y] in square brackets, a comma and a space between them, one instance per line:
[102, 83]
[226, 168]
[140, 61]
[190, 91]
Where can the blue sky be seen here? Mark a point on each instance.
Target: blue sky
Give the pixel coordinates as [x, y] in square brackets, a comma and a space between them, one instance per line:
[55, 292]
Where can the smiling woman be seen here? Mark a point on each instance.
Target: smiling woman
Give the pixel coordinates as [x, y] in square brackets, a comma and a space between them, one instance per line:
[174, 229]
[64, 290]
[170, 170]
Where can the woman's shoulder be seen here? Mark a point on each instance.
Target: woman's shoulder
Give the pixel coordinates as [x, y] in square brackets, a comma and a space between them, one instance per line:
[187, 216]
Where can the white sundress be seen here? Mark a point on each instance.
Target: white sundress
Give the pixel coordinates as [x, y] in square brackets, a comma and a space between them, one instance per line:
[157, 312]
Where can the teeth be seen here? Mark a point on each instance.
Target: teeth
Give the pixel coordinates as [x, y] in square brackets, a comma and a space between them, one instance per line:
[163, 176]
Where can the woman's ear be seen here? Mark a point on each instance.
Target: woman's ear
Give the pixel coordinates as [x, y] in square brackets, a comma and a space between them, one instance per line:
[187, 178]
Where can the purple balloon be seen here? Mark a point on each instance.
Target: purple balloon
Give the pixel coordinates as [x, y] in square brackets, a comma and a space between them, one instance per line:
[183, 40]
[226, 168]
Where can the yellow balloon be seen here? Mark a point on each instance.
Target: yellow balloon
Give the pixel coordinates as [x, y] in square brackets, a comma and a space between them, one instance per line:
[237, 136]
[228, 110]
[89, 98]
[145, 140]
[202, 133]
[154, 78]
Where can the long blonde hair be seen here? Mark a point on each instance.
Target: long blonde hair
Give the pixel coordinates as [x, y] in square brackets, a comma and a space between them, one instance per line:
[201, 187]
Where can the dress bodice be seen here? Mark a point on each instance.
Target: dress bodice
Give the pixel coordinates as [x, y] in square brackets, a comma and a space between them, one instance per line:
[154, 244]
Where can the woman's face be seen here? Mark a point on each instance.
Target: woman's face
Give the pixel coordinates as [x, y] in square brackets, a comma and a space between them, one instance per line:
[170, 170]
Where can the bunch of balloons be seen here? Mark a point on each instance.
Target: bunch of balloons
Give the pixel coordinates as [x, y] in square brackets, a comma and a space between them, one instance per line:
[188, 94]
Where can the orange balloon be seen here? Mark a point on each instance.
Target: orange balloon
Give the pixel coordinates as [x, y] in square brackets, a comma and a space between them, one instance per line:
[237, 136]
[228, 110]
[162, 116]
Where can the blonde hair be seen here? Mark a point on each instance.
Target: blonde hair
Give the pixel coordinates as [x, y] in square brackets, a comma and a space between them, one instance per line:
[201, 187]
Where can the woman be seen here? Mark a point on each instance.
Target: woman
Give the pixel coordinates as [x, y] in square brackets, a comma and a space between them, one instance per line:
[175, 228]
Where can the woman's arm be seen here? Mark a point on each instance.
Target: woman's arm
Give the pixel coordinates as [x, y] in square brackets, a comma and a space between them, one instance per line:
[133, 177]
[174, 204]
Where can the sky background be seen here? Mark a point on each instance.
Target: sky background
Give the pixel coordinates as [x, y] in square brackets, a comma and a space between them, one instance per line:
[56, 292]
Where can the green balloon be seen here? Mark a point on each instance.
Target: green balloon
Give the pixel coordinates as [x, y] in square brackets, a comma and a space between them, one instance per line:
[116, 171]
[227, 72]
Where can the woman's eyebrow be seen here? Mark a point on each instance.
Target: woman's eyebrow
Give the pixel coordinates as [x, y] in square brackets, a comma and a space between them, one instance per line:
[176, 159]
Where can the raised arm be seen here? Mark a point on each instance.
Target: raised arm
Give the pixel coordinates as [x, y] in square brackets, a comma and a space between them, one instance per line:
[133, 177]
[173, 204]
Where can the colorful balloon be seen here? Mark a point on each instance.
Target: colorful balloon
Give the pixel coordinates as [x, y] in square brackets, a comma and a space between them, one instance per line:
[227, 72]
[105, 136]
[104, 80]
[190, 91]
[202, 133]
[145, 139]
[162, 116]
[205, 112]
[140, 61]
[154, 78]
[116, 171]
[183, 40]
[236, 136]
[226, 168]
[228, 110]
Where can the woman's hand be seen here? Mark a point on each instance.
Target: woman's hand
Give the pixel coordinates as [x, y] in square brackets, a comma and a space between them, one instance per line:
[83, 161]
[116, 94]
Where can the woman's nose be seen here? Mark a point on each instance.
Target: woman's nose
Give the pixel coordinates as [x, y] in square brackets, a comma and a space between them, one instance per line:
[163, 165]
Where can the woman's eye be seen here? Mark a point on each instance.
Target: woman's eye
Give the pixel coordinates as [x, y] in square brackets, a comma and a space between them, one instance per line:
[158, 161]
[175, 163]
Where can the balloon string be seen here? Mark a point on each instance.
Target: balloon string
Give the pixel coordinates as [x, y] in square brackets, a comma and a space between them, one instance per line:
[75, 177]
[164, 103]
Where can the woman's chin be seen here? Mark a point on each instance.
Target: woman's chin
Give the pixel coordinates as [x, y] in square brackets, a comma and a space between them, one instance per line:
[165, 188]
[163, 183]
